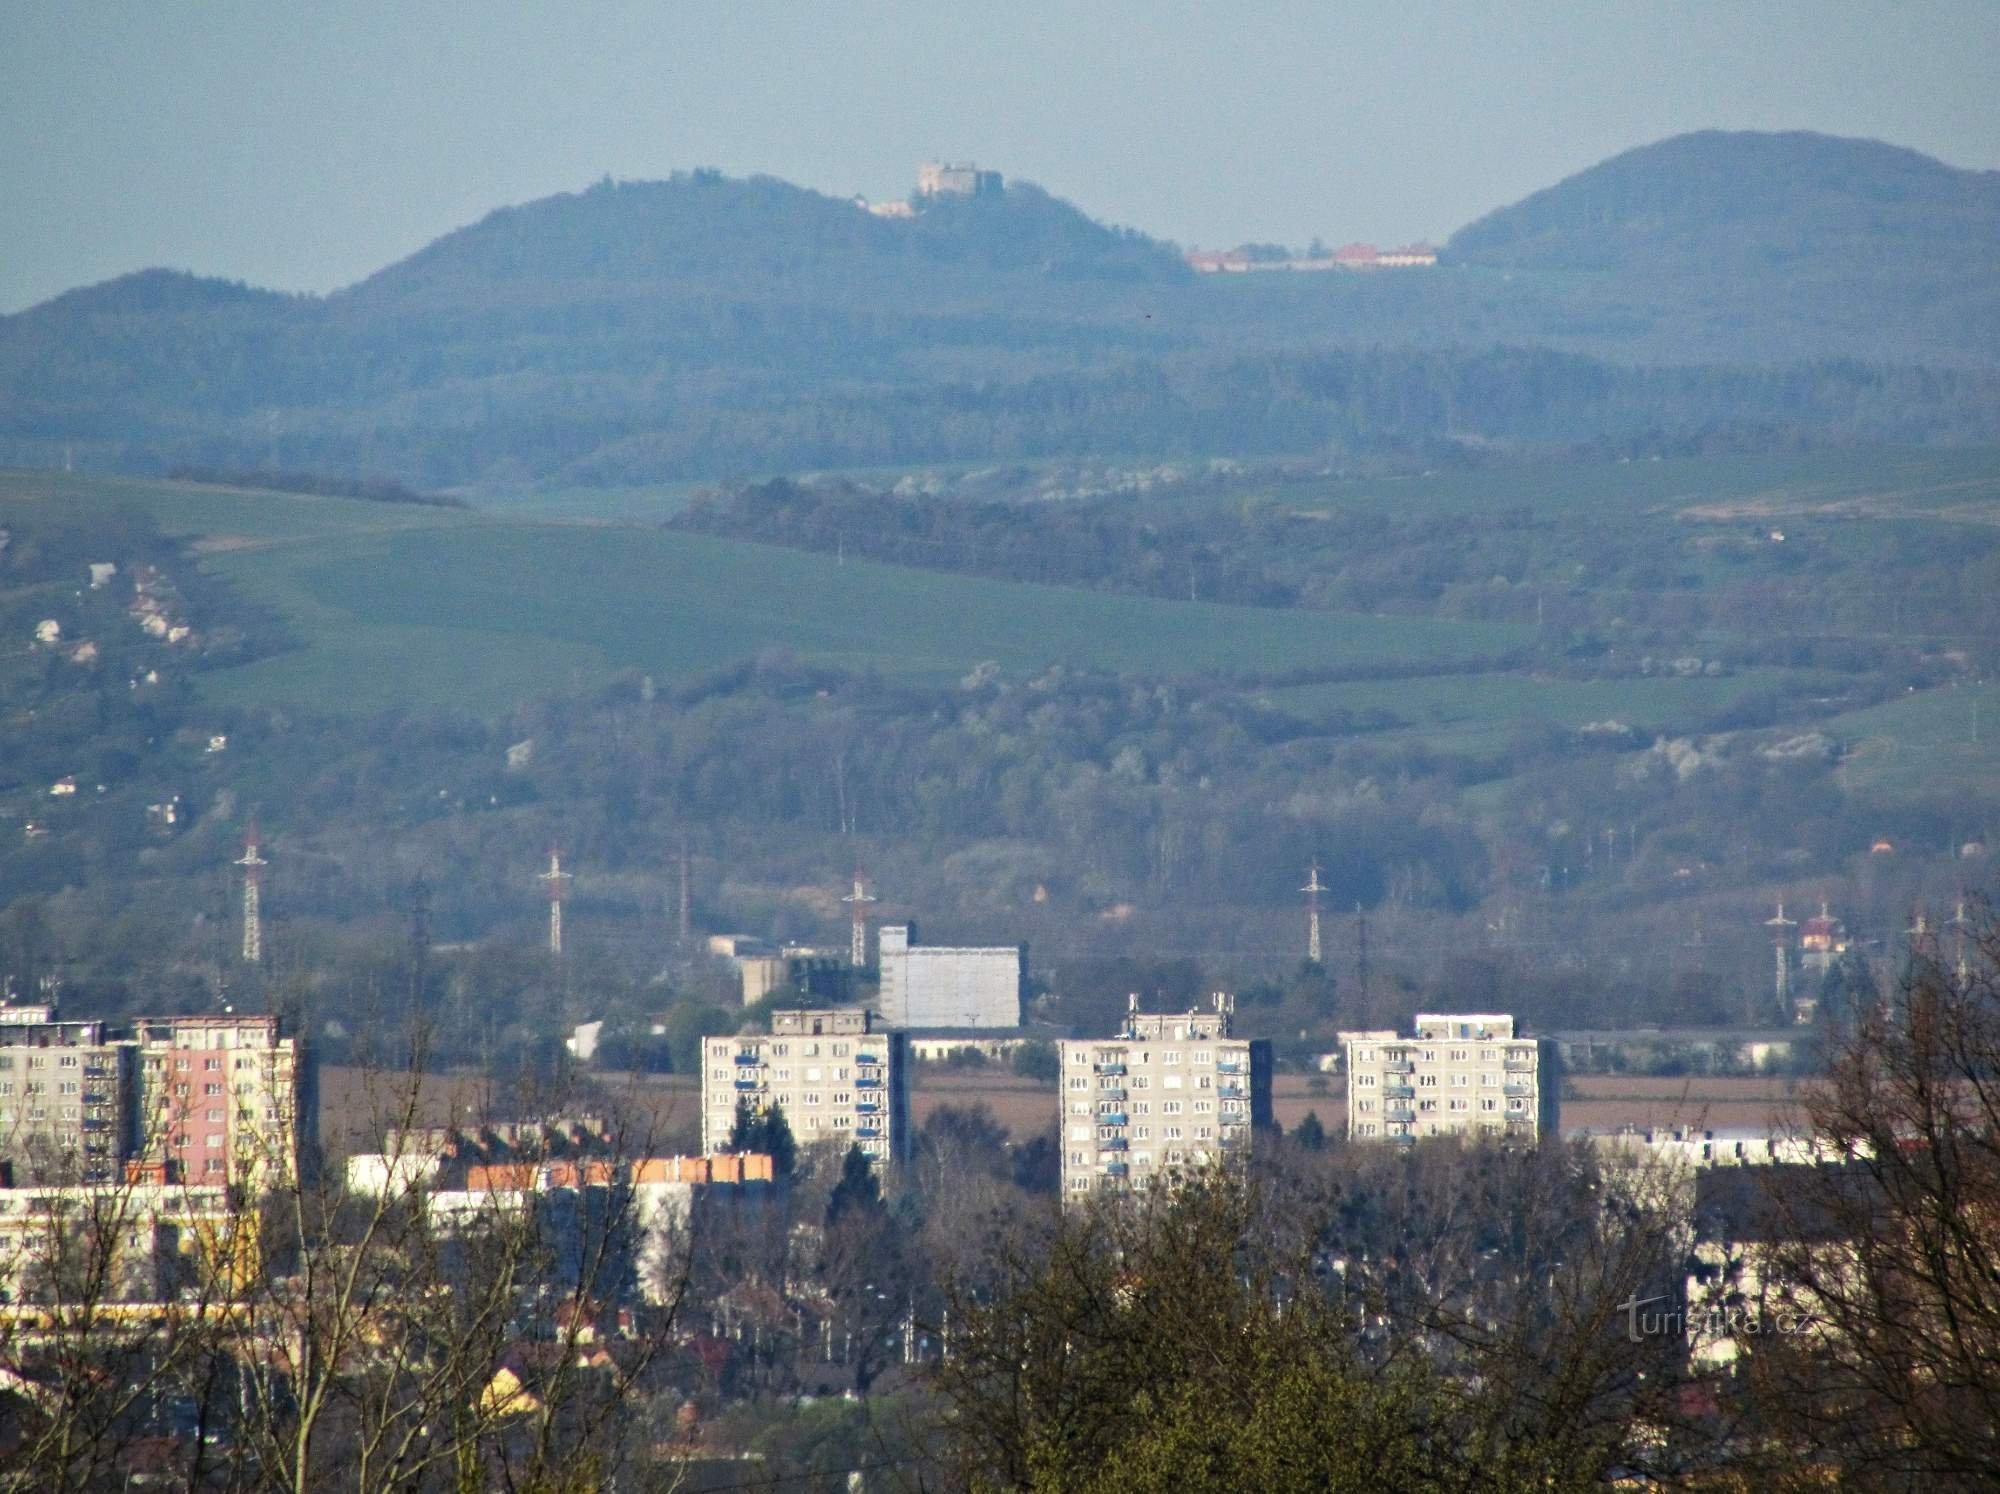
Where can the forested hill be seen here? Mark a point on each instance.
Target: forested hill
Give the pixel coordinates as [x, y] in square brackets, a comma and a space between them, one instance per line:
[702, 231]
[706, 326]
[1717, 202]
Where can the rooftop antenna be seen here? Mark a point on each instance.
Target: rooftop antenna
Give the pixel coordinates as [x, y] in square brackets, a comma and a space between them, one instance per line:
[858, 901]
[558, 882]
[1313, 888]
[1781, 942]
[253, 920]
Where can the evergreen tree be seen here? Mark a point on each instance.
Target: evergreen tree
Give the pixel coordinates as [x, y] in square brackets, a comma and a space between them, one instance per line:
[857, 1188]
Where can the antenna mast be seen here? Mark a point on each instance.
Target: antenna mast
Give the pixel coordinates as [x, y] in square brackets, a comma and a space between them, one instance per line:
[1313, 888]
[858, 901]
[687, 906]
[558, 881]
[1781, 942]
[253, 911]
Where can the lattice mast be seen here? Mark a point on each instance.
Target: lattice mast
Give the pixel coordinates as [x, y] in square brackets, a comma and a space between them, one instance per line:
[857, 902]
[1313, 888]
[557, 880]
[253, 865]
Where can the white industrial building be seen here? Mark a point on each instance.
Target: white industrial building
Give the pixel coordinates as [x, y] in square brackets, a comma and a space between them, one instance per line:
[949, 986]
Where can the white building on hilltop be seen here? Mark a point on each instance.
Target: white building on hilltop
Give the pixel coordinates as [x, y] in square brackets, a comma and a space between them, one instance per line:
[950, 986]
[1460, 1074]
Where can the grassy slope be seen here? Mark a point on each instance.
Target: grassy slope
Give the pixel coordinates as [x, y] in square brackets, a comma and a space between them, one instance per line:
[401, 605]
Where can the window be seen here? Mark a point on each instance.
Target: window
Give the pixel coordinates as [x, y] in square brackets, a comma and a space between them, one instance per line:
[1079, 1081]
[1461, 1104]
[1489, 1104]
[244, 1063]
[840, 1050]
[1460, 1081]
[1364, 1081]
[1170, 1107]
[1172, 1057]
[211, 1064]
[68, 1061]
[183, 1063]
[211, 1089]
[1427, 1081]
[70, 1086]
[214, 1116]
[213, 1164]
[1204, 1055]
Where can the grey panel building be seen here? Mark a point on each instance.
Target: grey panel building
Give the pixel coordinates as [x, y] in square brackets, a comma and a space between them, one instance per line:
[1172, 1091]
[1459, 1074]
[836, 1076]
[950, 986]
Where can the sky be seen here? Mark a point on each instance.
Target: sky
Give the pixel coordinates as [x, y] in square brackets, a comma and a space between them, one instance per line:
[302, 146]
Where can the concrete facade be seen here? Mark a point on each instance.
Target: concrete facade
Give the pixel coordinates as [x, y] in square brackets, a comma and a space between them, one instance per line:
[837, 1076]
[1460, 1074]
[1171, 1091]
[949, 986]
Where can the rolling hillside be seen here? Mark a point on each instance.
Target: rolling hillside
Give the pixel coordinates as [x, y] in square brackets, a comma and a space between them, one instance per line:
[703, 327]
[394, 606]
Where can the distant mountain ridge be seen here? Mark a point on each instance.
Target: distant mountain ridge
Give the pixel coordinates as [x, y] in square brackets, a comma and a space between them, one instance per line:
[709, 326]
[1735, 197]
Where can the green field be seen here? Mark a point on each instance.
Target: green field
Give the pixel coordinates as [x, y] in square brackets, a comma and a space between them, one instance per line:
[398, 605]
[1955, 486]
[1931, 741]
[1479, 712]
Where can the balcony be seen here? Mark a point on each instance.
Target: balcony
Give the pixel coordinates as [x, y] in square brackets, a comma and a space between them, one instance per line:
[1110, 1068]
[869, 1132]
[1399, 1066]
[1519, 1066]
[1111, 1118]
[749, 1058]
[867, 1107]
[1398, 1113]
[1229, 1068]
[749, 1083]
[1519, 1091]
[1116, 1169]
[868, 1084]
[1399, 1092]
[1112, 1094]
[1114, 1144]
[867, 1058]
[1230, 1091]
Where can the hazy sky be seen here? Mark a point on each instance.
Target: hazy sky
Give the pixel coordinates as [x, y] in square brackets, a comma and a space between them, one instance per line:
[302, 145]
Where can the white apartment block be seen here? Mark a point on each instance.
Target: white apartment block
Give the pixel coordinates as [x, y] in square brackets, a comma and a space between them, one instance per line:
[952, 986]
[835, 1074]
[1170, 1092]
[1460, 1074]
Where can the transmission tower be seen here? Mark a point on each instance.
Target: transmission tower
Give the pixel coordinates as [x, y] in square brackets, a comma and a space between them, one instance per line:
[253, 912]
[857, 902]
[686, 931]
[1361, 952]
[558, 882]
[1781, 942]
[1959, 923]
[1313, 888]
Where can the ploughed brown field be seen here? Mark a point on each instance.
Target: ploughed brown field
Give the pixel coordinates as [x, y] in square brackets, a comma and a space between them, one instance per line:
[354, 1106]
